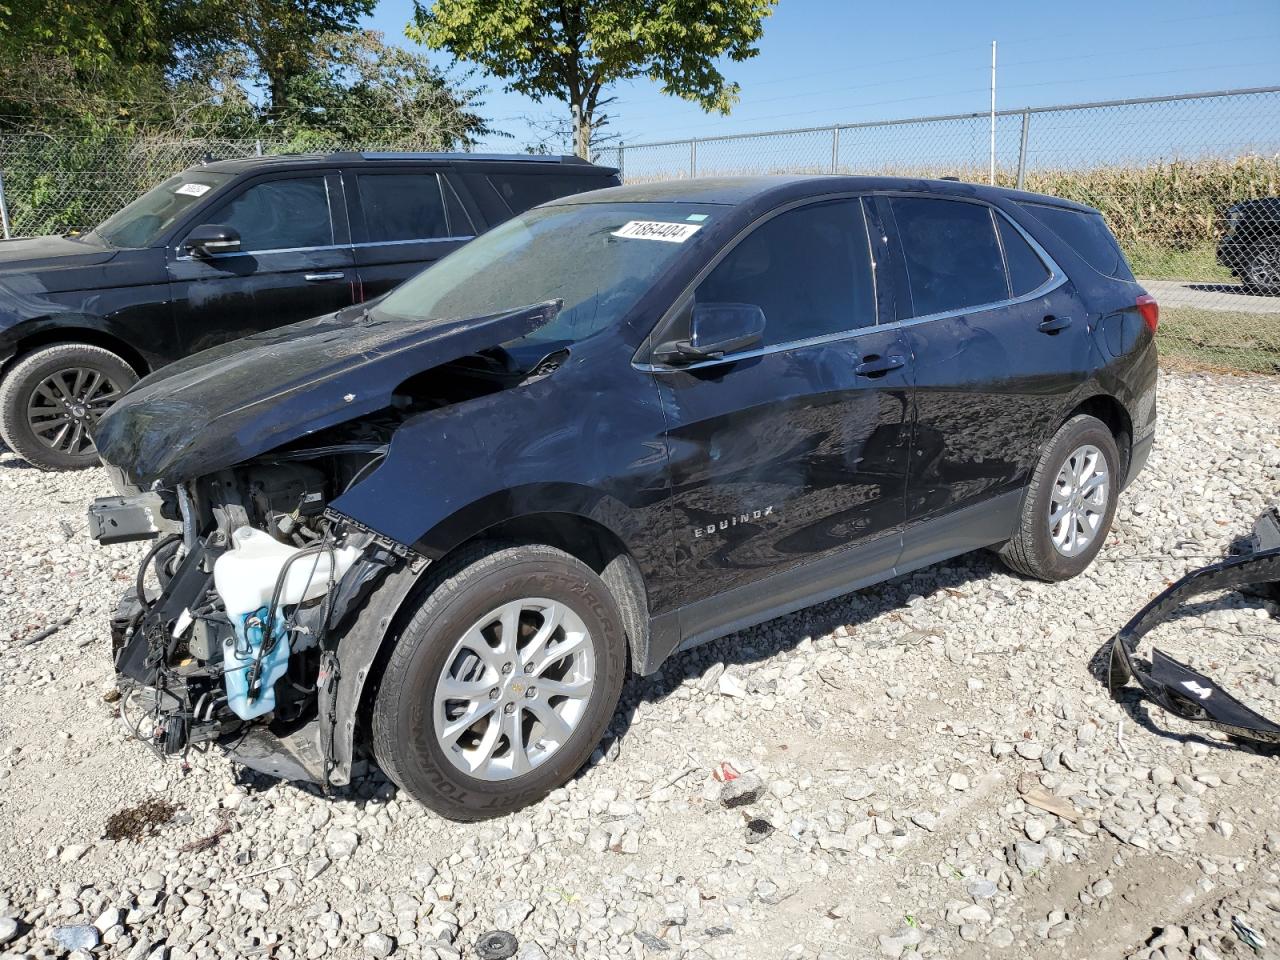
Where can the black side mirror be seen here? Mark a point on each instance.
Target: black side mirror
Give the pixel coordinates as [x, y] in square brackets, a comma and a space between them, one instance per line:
[210, 238]
[716, 330]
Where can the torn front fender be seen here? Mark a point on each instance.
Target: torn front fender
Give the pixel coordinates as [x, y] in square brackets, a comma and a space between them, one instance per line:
[236, 401]
[1175, 686]
[378, 590]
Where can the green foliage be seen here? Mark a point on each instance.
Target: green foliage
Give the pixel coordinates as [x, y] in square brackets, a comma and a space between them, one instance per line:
[280, 37]
[360, 91]
[573, 50]
[90, 34]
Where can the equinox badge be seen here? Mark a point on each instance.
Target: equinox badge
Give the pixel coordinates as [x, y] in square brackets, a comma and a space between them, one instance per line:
[732, 521]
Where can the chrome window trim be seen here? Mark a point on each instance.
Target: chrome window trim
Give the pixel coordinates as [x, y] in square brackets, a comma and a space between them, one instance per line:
[1055, 280]
[331, 246]
[249, 253]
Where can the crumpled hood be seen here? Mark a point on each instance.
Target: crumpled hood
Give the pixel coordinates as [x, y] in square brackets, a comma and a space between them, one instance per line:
[240, 399]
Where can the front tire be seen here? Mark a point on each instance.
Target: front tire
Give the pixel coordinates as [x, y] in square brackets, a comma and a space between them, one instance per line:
[51, 400]
[1261, 273]
[1069, 503]
[501, 682]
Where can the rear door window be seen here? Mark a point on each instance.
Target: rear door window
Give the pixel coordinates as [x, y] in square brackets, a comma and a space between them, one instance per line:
[280, 215]
[403, 206]
[520, 191]
[808, 269]
[951, 252]
[1087, 233]
[1026, 270]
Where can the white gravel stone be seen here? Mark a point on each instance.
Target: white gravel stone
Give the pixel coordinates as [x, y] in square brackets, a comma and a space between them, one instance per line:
[852, 716]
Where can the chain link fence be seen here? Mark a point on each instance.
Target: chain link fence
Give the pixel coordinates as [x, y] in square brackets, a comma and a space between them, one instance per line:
[1189, 184]
[61, 183]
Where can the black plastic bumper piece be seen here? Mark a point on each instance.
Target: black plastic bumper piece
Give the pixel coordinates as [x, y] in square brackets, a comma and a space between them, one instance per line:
[1175, 686]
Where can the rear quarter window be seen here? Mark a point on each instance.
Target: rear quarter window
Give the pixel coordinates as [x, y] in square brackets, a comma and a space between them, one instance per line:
[1087, 234]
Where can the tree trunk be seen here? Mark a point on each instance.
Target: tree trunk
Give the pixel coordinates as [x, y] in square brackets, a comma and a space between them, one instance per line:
[279, 99]
[581, 131]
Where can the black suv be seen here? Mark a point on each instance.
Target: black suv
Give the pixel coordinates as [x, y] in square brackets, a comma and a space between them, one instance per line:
[1250, 244]
[440, 531]
[228, 249]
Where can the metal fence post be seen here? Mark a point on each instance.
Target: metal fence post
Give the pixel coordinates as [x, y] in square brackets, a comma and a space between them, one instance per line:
[4, 210]
[693, 157]
[257, 148]
[835, 149]
[1022, 148]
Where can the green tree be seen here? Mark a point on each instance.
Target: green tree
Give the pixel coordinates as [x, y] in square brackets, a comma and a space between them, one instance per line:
[280, 37]
[361, 91]
[573, 50]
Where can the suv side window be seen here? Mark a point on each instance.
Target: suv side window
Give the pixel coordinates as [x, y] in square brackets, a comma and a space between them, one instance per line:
[1026, 270]
[951, 253]
[808, 269]
[1087, 234]
[403, 206]
[280, 215]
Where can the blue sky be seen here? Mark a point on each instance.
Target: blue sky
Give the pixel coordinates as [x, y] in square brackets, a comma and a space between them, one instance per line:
[826, 61]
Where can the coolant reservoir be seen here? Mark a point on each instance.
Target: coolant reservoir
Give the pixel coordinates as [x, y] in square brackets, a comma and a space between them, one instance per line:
[246, 575]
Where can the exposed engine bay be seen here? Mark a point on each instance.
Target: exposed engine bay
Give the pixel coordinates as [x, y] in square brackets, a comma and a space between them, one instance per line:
[230, 633]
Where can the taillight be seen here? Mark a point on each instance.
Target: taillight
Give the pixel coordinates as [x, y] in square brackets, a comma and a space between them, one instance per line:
[1150, 311]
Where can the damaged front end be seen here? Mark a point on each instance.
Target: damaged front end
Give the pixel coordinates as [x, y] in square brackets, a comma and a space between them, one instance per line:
[1175, 686]
[258, 611]
[230, 633]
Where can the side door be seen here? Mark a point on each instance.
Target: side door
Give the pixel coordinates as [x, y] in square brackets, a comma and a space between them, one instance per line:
[404, 220]
[294, 261]
[1000, 342]
[789, 461]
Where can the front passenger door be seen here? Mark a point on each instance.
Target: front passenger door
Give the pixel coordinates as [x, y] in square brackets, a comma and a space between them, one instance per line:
[294, 262]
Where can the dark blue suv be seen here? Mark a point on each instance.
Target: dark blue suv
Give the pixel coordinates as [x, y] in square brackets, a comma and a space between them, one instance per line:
[437, 530]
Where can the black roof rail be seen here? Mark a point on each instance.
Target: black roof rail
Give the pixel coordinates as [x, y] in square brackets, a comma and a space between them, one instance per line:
[520, 157]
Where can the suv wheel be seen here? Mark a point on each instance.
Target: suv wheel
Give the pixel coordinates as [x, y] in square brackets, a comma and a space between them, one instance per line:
[51, 400]
[1261, 273]
[1068, 504]
[501, 683]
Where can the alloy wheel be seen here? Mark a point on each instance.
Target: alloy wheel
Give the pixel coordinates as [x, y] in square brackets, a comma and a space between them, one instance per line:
[514, 688]
[1078, 504]
[65, 406]
[1264, 268]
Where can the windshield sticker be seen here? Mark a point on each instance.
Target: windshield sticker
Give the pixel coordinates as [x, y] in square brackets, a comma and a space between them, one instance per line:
[193, 189]
[696, 217]
[657, 230]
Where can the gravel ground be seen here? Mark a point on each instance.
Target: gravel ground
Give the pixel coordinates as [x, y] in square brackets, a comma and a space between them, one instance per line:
[930, 768]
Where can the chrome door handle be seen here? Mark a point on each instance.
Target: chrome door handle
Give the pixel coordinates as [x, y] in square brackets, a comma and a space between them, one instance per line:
[314, 277]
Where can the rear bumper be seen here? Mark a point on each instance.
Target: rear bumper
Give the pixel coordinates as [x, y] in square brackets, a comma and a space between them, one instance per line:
[1139, 454]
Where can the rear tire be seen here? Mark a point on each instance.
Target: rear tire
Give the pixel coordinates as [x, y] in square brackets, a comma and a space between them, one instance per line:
[51, 400]
[451, 662]
[1069, 503]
